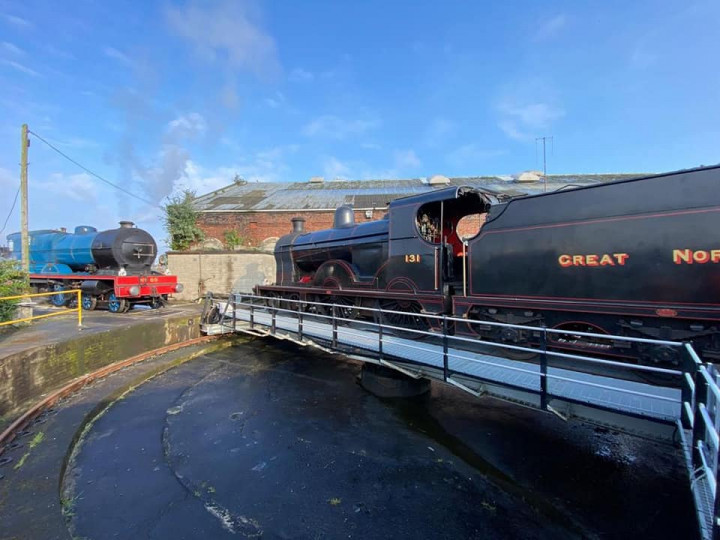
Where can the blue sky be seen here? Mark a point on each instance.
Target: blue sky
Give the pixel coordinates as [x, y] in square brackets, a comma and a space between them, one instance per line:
[158, 96]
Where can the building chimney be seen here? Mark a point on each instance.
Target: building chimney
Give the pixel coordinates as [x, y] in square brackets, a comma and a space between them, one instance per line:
[298, 224]
[126, 224]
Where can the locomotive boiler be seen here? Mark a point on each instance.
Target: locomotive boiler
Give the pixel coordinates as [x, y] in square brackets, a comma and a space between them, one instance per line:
[112, 267]
[636, 257]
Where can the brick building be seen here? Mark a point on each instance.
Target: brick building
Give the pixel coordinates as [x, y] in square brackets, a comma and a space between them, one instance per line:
[261, 211]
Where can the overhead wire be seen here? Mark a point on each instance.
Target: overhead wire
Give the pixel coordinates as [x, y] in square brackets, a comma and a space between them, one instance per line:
[108, 182]
[11, 210]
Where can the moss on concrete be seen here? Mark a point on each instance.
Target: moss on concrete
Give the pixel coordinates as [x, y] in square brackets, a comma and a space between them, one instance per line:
[27, 375]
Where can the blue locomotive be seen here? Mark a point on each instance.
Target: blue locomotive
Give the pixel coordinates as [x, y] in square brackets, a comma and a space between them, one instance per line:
[112, 267]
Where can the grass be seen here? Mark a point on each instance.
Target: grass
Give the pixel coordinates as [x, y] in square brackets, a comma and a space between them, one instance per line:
[488, 506]
[22, 461]
[68, 506]
[37, 439]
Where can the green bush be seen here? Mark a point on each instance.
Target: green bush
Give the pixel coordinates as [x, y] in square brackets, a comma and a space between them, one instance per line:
[13, 281]
[181, 221]
[233, 239]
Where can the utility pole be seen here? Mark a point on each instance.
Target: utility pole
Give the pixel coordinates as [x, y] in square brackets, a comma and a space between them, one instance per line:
[544, 140]
[24, 236]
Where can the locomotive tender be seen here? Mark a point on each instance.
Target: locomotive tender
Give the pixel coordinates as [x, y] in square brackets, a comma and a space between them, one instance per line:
[111, 267]
[637, 257]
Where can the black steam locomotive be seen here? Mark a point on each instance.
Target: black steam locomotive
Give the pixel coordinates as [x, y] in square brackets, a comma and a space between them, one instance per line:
[638, 257]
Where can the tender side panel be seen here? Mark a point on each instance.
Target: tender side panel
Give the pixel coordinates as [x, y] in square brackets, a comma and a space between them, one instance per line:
[656, 254]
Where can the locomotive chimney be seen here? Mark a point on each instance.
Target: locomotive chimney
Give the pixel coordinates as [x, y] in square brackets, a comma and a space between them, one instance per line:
[126, 224]
[298, 224]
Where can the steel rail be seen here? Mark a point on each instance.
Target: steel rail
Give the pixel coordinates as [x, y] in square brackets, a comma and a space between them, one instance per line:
[73, 386]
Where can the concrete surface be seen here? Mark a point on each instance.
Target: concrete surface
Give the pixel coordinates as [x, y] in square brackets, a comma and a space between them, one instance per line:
[31, 470]
[271, 440]
[45, 355]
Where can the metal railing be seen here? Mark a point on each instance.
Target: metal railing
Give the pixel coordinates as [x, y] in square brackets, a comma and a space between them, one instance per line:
[698, 407]
[700, 422]
[332, 313]
[77, 308]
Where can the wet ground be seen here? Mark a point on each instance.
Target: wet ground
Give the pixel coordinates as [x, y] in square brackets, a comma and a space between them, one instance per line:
[268, 439]
[64, 324]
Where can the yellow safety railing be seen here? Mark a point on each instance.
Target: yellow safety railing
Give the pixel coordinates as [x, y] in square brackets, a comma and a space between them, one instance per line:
[77, 308]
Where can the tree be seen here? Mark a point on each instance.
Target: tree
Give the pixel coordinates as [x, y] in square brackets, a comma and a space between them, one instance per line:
[13, 281]
[181, 221]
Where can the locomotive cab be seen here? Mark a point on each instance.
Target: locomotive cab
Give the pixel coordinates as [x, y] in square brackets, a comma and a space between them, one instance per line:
[448, 224]
[427, 233]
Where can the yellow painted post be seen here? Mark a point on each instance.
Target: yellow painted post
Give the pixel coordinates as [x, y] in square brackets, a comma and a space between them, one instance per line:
[79, 308]
[45, 315]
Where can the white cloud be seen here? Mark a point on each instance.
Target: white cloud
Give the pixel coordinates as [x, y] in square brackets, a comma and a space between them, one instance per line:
[550, 28]
[525, 120]
[79, 187]
[471, 154]
[17, 21]
[439, 131]
[186, 126]
[300, 75]
[121, 57]
[406, 159]
[370, 146]
[11, 49]
[333, 127]
[510, 128]
[334, 168]
[8, 180]
[224, 32]
[267, 165]
[276, 100]
[20, 67]
[402, 163]
[229, 97]
[78, 143]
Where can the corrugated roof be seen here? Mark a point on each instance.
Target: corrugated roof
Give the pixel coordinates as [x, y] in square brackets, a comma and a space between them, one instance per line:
[366, 194]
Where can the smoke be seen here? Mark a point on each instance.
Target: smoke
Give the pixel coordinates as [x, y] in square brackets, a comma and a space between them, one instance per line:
[169, 164]
[224, 36]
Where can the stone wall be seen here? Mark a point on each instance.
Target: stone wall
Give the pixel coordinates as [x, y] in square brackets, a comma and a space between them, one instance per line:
[220, 272]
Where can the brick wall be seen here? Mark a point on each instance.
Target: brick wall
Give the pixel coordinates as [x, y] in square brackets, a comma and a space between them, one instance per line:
[470, 225]
[258, 226]
[220, 272]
